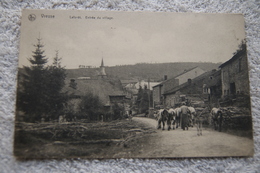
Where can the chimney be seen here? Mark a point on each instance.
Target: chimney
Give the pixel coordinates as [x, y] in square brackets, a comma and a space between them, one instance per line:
[165, 77]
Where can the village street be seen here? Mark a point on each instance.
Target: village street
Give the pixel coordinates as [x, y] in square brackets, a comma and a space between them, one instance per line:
[179, 143]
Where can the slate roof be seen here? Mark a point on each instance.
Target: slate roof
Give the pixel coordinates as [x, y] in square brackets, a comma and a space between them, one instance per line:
[206, 76]
[236, 56]
[175, 76]
[100, 87]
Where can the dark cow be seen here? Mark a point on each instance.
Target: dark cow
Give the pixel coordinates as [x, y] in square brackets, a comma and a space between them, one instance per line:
[162, 117]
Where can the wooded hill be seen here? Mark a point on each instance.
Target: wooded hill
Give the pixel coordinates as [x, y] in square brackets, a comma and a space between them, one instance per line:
[155, 71]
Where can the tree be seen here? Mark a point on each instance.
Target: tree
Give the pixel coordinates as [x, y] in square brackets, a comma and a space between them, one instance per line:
[142, 101]
[90, 106]
[32, 94]
[55, 78]
[139, 98]
[39, 93]
[144, 104]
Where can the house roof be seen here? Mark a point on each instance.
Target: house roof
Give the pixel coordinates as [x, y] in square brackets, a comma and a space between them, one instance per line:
[236, 56]
[160, 84]
[186, 71]
[202, 76]
[99, 87]
[71, 91]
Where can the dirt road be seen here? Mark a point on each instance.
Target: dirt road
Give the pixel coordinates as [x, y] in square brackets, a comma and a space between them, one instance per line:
[179, 143]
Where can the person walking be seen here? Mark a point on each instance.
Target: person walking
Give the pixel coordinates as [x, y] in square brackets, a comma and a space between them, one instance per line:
[184, 116]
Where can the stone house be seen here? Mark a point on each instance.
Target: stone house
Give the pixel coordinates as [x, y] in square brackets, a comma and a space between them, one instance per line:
[199, 90]
[234, 75]
[235, 80]
[168, 84]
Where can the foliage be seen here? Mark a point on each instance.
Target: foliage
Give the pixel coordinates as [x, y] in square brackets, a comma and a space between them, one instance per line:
[32, 96]
[90, 107]
[39, 93]
[142, 101]
[55, 82]
[118, 111]
[73, 84]
[139, 96]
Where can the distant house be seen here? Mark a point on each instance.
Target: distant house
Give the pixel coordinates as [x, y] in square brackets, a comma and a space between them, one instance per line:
[189, 74]
[132, 86]
[161, 88]
[99, 85]
[148, 85]
[195, 90]
[213, 86]
[128, 82]
[168, 84]
[101, 88]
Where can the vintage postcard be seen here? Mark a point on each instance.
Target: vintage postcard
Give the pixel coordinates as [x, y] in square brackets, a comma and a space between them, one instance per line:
[98, 84]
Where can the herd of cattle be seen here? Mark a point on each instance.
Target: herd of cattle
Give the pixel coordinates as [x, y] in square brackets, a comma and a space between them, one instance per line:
[185, 117]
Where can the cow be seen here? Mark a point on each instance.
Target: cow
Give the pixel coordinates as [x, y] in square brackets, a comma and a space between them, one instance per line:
[192, 115]
[171, 118]
[178, 117]
[216, 117]
[162, 117]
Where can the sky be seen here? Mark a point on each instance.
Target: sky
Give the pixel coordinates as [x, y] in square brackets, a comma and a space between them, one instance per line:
[120, 38]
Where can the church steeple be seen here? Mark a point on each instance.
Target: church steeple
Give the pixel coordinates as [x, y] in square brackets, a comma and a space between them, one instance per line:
[102, 70]
[102, 63]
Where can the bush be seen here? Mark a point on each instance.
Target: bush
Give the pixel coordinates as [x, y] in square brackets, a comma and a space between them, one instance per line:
[90, 107]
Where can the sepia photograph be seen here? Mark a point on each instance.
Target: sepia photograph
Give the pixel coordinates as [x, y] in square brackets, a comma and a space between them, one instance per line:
[99, 85]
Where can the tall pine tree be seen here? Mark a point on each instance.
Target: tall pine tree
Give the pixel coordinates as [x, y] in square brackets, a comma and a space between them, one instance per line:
[40, 88]
[32, 94]
[56, 75]
[142, 101]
